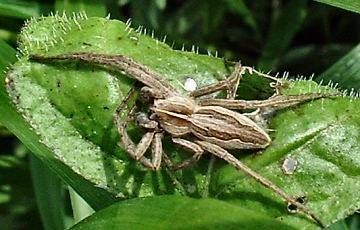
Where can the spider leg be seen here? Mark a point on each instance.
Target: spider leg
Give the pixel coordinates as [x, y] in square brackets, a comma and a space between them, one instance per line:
[157, 150]
[251, 71]
[231, 84]
[135, 151]
[225, 155]
[188, 145]
[123, 104]
[275, 102]
[148, 93]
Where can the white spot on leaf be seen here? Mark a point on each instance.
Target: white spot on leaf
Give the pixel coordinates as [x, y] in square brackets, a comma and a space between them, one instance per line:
[190, 85]
[289, 165]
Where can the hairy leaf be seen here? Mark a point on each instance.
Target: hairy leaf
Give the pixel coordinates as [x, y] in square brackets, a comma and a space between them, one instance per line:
[69, 106]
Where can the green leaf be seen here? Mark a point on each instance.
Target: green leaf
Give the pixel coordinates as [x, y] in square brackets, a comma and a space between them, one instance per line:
[80, 207]
[175, 212]
[19, 9]
[350, 5]
[345, 72]
[4, 131]
[341, 225]
[49, 194]
[65, 123]
[15, 123]
[70, 107]
[7, 55]
[281, 33]
[322, 143]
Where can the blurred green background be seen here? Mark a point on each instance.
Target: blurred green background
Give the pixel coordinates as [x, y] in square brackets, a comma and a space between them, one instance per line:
[300, 36]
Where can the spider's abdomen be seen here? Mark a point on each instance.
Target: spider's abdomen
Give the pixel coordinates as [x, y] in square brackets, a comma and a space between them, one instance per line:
[226, 128]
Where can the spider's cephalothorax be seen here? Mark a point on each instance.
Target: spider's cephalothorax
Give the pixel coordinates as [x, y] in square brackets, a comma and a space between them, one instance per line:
[198, 125]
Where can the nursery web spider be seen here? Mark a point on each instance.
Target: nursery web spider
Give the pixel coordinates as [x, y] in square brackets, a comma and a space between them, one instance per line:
[202, 125]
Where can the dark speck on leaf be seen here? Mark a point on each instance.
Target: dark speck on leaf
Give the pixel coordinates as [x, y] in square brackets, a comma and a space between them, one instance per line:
[301, 200]
[106, 108]
[58, 83]
[86, 44]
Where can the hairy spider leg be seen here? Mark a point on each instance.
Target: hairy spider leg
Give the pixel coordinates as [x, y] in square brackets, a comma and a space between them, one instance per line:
[231, 84]
[225, 155]
[136, 151]
[188, 145]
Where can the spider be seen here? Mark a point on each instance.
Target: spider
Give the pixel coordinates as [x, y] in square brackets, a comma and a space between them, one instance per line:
[197, 124]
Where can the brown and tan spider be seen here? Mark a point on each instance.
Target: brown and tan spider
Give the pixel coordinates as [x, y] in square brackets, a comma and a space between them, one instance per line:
[199, 125]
